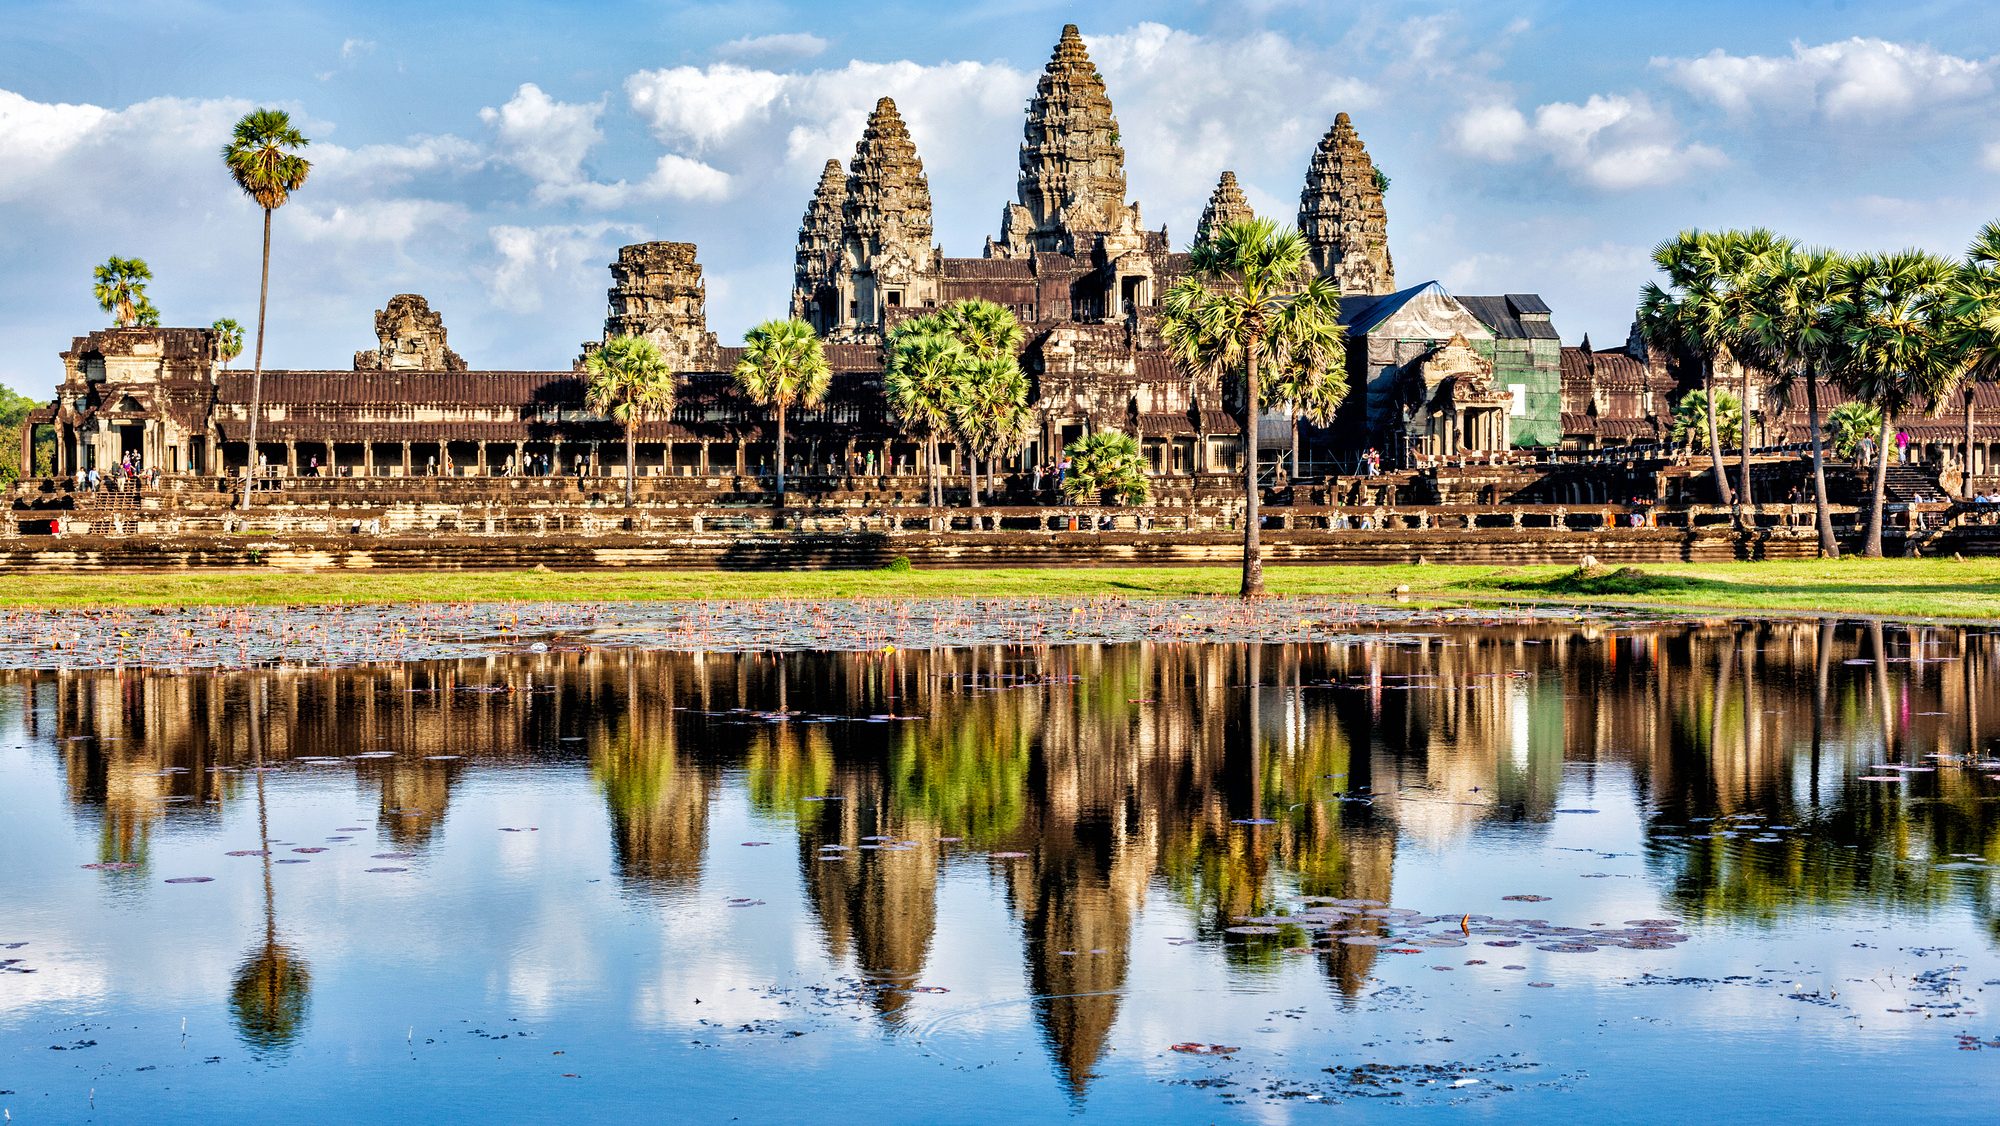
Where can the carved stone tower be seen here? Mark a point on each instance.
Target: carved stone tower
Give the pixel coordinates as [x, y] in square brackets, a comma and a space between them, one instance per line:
[886, 257]
[1072, 181]
[409, 337]
[657, 292]
[1341, 214]
[818, 252]
[1225, 206]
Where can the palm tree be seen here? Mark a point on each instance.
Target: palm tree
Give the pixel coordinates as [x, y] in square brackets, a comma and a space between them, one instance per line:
[783, 363]
[630, 381]
[1311, 394]
[1788, 330]
[988, 404]
[263, 159]
[1743, 259]
[272, 989]
[228, 340]
[1695, 417]
[1975, 329]
[989, 408]
[1890, 348]
[121, 291]
[1848, 424]
[1106, 459]
[919, 380]
[1242, 307]
[1686, 317]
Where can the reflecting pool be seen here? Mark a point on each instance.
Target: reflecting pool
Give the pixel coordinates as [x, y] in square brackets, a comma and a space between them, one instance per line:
[1738, 870]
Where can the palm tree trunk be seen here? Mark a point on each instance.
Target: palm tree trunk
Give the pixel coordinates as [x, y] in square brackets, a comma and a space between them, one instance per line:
[972, 472]
[1715, 437]
[1872, 547]
[781, 455]
[257, 374]
[631, 455]
[1253, 548]
[1828, 546]
[1295, 445]
[1749, 499]
[1965, 489]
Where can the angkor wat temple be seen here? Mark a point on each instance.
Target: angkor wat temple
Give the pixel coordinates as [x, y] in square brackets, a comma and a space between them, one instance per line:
[1437, 378]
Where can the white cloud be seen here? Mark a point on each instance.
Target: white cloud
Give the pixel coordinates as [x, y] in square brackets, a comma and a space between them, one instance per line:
[1852, 80]
[788, 45]
[386, 164]
[1611, 142]
[535, 259]
[673, 177]
[544, 138]
[379, 222]
[703, 105]
[355, 48]
[73, 158]
[1991, 157]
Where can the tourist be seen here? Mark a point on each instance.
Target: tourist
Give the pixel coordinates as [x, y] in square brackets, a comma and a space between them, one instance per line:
[1037, 488]
[431, 466]
[93, 479]
[1902, 447]
[312, 466]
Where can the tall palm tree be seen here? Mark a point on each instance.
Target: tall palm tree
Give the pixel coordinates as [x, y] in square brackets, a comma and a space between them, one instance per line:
[630, 381]
[989, 401]
[919, 380]
[1975, 329]
[1306, 393]
[1891, 348]
[1244, 307]
[262, 156]
[783, 363]
[1743, 259]
[1788, 329]
[120, 290]
[228, 340]
[1686, 316]
[989, 408]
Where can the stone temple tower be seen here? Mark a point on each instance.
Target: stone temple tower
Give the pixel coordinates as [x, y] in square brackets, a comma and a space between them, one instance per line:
[886, 259]
[1341, 214]
[657, 292]
[819, 250]
[1072, 180]
[1226, 205]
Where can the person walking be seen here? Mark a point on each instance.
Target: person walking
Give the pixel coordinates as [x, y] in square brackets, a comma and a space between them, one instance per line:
[1902, 447]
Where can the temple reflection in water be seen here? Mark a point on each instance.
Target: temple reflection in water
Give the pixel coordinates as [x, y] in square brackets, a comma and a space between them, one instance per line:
[1229, 780]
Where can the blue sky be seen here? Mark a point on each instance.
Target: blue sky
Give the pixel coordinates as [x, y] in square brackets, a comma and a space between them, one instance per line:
[493, 155]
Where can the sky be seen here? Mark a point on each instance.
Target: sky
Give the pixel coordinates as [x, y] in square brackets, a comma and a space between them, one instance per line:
[493, 154]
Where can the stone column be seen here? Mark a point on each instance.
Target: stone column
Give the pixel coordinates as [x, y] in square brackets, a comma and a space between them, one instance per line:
[482, 459]
[406, 459]
[740, 451]
[368, 459]
[291, 458]
[701, 453]
[520, 457]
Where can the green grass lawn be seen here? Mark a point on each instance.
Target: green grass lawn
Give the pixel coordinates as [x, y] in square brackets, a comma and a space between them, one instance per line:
[1909, 588]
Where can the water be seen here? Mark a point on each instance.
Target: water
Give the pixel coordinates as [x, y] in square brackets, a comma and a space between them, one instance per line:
[1105, 882]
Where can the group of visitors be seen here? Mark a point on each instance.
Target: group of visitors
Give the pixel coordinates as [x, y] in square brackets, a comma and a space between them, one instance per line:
[1052, 472]
[129, 473]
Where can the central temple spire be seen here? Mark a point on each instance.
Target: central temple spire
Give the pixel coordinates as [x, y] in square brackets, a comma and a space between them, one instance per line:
[1072, 180]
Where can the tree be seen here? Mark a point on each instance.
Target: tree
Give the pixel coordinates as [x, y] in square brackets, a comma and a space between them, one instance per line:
[121, 291]
[988, 399]
[783, 363]
[1693, 419]
[1891, 347]
[1241, 309]
[228, 340]
[989, 409]
[630, 382]
[1975, 324]
[1306, 392]
[262, 156]
[1743, 259]
[919, 380]
[1687, 316]
[1788, 330]
[1106, 459]
[1849, 423]
[14, 410]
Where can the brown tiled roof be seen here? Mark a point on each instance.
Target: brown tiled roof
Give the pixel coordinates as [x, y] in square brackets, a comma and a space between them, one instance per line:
[990, 269]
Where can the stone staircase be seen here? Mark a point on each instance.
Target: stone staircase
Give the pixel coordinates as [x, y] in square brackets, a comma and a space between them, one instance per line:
[1905, 483]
